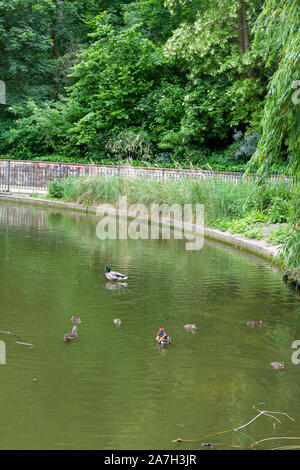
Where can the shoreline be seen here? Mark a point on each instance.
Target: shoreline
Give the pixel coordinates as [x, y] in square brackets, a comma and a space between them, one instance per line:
[258, 247]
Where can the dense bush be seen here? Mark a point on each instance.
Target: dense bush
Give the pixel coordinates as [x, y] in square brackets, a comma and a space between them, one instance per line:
[56, 189]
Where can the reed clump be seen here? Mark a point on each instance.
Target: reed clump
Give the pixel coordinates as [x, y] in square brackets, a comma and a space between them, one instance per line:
[222, 200]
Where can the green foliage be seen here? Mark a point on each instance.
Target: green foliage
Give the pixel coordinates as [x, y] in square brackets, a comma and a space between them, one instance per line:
[260, 209]
[25, 43]
[42, 129]
[291, 248]
[279, 210]
[56, 189]
[148, 79]
[125, 73]
[157, 21]
[250, 225]
[281, 121]
[117, 71]
[224, 90]
[279, 236]
[163, 110]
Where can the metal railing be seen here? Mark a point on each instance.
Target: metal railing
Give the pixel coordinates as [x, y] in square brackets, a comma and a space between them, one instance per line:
[18, 175]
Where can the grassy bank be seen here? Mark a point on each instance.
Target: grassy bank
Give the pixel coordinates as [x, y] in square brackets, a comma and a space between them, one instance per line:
[239, 208]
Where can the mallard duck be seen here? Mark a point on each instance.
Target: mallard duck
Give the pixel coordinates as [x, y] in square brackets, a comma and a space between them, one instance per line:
[277, 365]
[162, 337]
[71, 336]
[256, 323]
[75, 319]
[190, 327]
[114, 275]
[117, 321]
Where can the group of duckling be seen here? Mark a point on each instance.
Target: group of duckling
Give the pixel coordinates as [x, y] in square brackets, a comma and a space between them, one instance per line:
[110, 276]
[161, 338]
[114, 276]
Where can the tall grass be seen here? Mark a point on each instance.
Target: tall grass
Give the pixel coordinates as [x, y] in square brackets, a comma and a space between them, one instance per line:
[222, 200]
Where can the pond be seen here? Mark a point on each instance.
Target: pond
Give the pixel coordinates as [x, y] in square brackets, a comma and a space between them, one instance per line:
[114, 388]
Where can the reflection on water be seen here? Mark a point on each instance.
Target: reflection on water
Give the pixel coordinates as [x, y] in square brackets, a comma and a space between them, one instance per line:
[116, 286]
[114, 386]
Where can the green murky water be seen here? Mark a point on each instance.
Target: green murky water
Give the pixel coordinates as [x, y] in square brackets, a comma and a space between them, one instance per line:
[114, 388]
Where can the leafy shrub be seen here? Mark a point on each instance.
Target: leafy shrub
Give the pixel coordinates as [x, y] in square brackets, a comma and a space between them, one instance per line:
[56, 189]
[278, 210]
[279, 236]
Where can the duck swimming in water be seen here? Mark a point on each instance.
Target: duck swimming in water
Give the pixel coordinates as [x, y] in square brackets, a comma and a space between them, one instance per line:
[256, 323]
[277, 365]
[162, 337]
[190, 327]
[75, 319]
[113, 275]
[71, 336]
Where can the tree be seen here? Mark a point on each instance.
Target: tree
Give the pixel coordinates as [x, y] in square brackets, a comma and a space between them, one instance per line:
[278, 39]
[25, 44]
[243, 31]
[214, 43]
[157, 22]
[115, 72]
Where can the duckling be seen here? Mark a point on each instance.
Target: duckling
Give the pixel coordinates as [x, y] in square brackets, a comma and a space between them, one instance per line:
[277, 365]
[117, 321]
[113, 275]
[165, 340]
[190, 327]
[256, 323]
[75, 319]
[71, 336]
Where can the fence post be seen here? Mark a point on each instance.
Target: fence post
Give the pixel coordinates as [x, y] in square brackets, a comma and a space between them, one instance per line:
[59, 172]
[241, 173]
[8, 175]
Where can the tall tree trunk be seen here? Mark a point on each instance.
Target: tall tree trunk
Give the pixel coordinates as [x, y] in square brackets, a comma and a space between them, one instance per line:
[243, 34]
[59, 17]
[54, 45]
